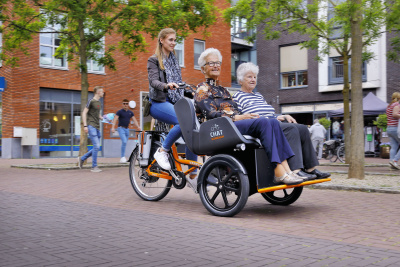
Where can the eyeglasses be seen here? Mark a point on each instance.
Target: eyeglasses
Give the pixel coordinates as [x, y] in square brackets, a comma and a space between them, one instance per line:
[125, 103]
[212, 63]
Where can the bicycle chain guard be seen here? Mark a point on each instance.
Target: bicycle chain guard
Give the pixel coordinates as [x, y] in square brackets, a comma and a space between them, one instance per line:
[178, 179]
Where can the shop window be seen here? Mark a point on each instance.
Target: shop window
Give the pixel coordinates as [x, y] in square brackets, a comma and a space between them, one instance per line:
[180, 52]
[336, 71]
[199, 47]
[60, 128]
[49, 42]
[293, 67]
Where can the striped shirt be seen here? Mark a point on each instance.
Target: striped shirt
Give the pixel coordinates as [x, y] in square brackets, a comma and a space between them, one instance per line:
[253, 103]
[391, 121]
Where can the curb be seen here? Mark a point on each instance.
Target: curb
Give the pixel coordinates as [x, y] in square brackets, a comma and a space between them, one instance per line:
[66, 166]
[353, 188]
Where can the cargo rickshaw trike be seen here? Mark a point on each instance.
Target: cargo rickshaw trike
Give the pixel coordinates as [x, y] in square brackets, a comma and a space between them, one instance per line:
[235, 166]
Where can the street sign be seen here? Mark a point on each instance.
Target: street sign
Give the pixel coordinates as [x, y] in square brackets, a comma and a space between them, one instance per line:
[3, 84]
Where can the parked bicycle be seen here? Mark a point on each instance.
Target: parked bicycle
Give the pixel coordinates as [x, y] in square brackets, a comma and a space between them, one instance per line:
[330, 149]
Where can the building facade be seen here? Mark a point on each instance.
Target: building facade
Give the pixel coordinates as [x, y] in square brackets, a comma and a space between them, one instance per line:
[43, 93]
[293, 82]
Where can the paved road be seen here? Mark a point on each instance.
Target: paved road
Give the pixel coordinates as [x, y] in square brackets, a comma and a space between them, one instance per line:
[79, 218]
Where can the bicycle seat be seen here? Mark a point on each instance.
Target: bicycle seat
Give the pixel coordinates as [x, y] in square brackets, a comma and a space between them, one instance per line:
[211, 136]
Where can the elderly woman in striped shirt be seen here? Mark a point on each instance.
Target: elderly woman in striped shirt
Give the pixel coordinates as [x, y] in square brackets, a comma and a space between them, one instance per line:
[298, 136]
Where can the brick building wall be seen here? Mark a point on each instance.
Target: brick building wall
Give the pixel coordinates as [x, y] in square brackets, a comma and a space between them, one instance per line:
[392, 72]
[20, 100]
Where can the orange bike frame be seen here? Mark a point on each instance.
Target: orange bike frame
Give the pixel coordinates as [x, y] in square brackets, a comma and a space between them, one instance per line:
[178, 164]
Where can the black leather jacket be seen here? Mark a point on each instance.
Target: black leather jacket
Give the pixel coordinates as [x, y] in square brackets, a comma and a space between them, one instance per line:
[157, 80]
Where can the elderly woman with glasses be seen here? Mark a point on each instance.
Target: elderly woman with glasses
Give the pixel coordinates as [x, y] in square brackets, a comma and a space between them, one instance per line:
[213, 101]
[304, 161]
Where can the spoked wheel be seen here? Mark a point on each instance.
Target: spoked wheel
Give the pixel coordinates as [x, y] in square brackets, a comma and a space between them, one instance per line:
[147, 187]
[341, 154]
[283, 197]
[334, 157]
[224, 187]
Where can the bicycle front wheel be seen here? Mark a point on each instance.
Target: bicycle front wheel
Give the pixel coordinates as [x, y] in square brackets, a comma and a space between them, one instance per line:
[147, 187]
[341, 154]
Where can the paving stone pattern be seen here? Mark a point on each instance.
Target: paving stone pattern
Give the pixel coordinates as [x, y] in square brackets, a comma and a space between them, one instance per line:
[37, 231]
[79, 218]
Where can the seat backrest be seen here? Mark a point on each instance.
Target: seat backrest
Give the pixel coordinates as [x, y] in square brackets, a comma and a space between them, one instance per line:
[212, 136]
[186, 115]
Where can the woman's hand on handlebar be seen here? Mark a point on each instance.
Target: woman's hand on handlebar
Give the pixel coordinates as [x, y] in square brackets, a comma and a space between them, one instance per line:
[172, 86]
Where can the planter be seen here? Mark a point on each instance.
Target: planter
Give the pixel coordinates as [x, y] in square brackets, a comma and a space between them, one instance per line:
[385, 152]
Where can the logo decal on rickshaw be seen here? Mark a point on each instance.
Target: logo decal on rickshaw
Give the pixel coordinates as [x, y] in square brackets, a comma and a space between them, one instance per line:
[216, 133]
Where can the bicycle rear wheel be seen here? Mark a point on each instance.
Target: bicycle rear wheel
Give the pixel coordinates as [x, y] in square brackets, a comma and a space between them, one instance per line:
[147, 187]
[341, 154]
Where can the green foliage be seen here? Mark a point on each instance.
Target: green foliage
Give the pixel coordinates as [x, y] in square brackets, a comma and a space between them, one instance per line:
[325, 122]
[272, 18]
[393, 25]
[381, 122]
[83, 24]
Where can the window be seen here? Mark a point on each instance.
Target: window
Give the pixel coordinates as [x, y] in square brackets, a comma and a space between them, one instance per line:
[290, 15]
[49, 42]
[336, 72]
[180, 51]
[337, 31]
[60, 123]
[93, 65]
[294, 65]
[199, 47]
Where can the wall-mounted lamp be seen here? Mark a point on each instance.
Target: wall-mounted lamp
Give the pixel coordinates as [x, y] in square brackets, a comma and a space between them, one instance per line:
[64, 117]
[55, 118]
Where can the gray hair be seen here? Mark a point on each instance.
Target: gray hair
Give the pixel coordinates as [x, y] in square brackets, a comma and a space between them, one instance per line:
[206, 53]
[316, 121]
[245, 68]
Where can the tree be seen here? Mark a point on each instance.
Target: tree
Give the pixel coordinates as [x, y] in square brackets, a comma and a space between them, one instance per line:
[81, 26]
[328, 25]
[393, 24]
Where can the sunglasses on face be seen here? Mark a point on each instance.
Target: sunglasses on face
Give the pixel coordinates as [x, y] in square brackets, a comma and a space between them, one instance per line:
[213, 63]
[125, 103]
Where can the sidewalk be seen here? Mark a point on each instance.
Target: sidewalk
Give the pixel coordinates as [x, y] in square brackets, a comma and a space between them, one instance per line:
[379, 177]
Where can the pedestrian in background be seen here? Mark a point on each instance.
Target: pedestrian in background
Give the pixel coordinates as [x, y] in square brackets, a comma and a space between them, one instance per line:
[393, 116]
[91, 122]
[318, 133]
[124, 116]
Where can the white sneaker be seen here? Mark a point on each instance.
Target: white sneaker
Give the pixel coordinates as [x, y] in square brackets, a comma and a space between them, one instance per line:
[394, 164]
[162, 159]
[122, 160]
[95, 169]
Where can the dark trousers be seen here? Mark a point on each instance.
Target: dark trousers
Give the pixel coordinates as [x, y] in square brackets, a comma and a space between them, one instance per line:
[299, 140]
[271, 136]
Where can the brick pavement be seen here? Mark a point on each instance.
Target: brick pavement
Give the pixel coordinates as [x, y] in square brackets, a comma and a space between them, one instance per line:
[79, 218]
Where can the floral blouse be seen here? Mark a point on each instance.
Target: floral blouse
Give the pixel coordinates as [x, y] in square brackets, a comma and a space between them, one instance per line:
[213, 101]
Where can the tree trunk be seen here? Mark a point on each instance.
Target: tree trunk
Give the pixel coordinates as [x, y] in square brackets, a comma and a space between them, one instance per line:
[346, 103]
[357, 160]
[84, 85]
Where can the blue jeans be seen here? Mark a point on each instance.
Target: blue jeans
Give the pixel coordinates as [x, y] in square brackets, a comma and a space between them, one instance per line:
[124, 135]
[164, 111]
[394, 143]
[94, 135]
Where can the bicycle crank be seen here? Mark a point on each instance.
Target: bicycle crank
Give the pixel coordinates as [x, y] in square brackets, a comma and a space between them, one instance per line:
[178, 179]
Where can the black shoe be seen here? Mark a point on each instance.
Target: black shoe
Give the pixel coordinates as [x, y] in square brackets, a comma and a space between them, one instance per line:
[319, 174]
[308, 176]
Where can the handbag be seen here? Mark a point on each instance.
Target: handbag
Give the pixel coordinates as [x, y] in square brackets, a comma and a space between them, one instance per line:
[146, 106]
